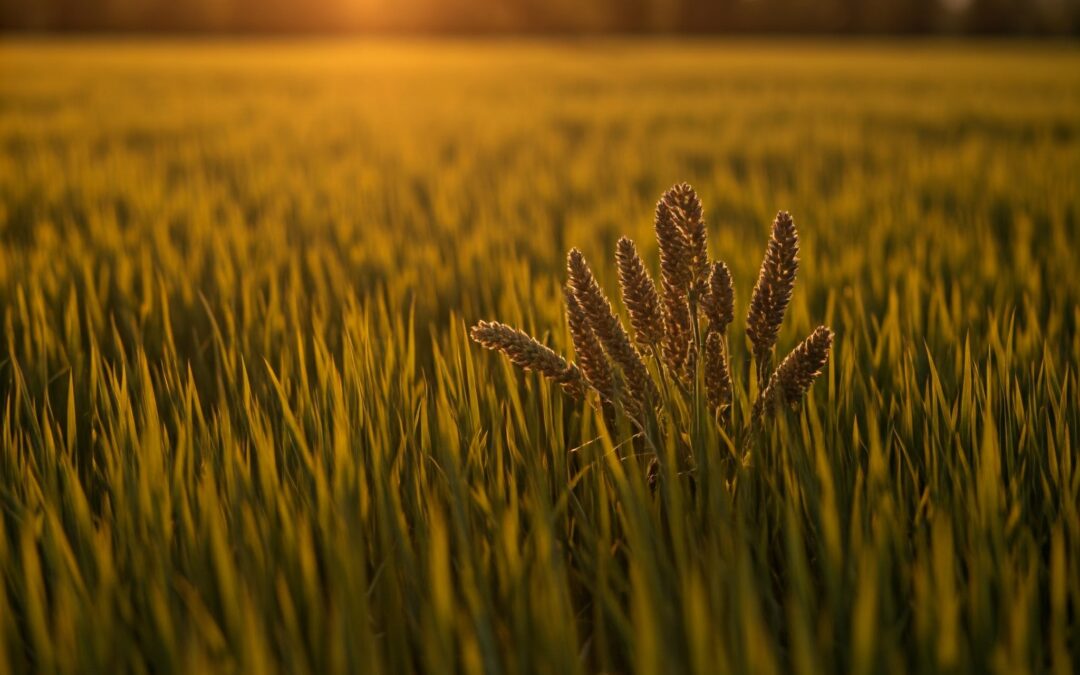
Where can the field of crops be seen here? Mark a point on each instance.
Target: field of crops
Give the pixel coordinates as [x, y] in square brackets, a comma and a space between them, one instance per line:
[243, 428]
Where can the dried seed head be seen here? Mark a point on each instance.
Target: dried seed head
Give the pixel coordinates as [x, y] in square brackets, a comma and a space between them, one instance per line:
[525, 352]
[639, 296]
[675, 277]
[717, 374]
[675, 252]
[772, 293]
[686, 211]
[594, 365]
[796, 373]
[719, 302]
[608, 329]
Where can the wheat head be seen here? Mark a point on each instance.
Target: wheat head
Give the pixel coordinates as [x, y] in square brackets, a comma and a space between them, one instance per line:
[772, 292]
[717, 374]
[526, 352]
[675, 277]
[719, 303]
[685, 207]
[639, 295]
[590, 356]
[796, 372]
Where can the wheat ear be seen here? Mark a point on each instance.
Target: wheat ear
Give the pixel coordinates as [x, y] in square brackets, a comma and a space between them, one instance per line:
[796, 372]
[686, 210]
[608, 329]
[590, 356]
[772, 293]
[717, 374]
[719, 303]
[675, 276]
[526, 352]
[639, 296]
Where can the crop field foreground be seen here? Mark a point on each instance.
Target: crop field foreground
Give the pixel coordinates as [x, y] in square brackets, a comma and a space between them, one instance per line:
[243, 428]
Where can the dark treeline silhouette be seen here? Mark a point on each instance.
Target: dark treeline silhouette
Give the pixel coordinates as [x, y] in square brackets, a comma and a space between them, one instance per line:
[914, 17]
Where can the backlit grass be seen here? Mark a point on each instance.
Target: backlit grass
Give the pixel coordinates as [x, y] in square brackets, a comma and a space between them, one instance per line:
[242, 427]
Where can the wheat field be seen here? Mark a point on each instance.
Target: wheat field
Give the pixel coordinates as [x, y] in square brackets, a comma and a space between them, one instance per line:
[243, 427]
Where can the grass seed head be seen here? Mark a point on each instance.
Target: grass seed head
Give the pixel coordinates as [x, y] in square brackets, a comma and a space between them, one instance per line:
[719, 303]
[772, 292]
[639, 295]
[797, 372]
[717, 374]
[675, 277]
[686, 211]
[526, 352]
[590, 356]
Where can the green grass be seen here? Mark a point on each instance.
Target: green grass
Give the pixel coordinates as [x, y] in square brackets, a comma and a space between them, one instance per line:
[242, 427]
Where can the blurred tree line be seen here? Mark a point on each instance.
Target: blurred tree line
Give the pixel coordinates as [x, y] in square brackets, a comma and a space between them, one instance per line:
[981, 17]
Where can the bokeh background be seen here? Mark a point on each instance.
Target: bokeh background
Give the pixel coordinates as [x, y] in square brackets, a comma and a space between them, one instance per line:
[1001, 17]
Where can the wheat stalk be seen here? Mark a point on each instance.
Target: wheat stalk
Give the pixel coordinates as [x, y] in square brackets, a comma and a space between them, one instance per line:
[772, 292]
[796, 372]
[639, 296]
[526, 352]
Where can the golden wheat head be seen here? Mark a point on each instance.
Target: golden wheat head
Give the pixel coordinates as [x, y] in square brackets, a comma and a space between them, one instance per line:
[675, 276]
[639, 296]
[719, 303]
[686, 211]
[796, 372]
[590, 356]
[717, 374]
[772, 292]
[526, 352]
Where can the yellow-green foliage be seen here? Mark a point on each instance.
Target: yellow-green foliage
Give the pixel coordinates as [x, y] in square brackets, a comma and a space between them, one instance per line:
[242, 427]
